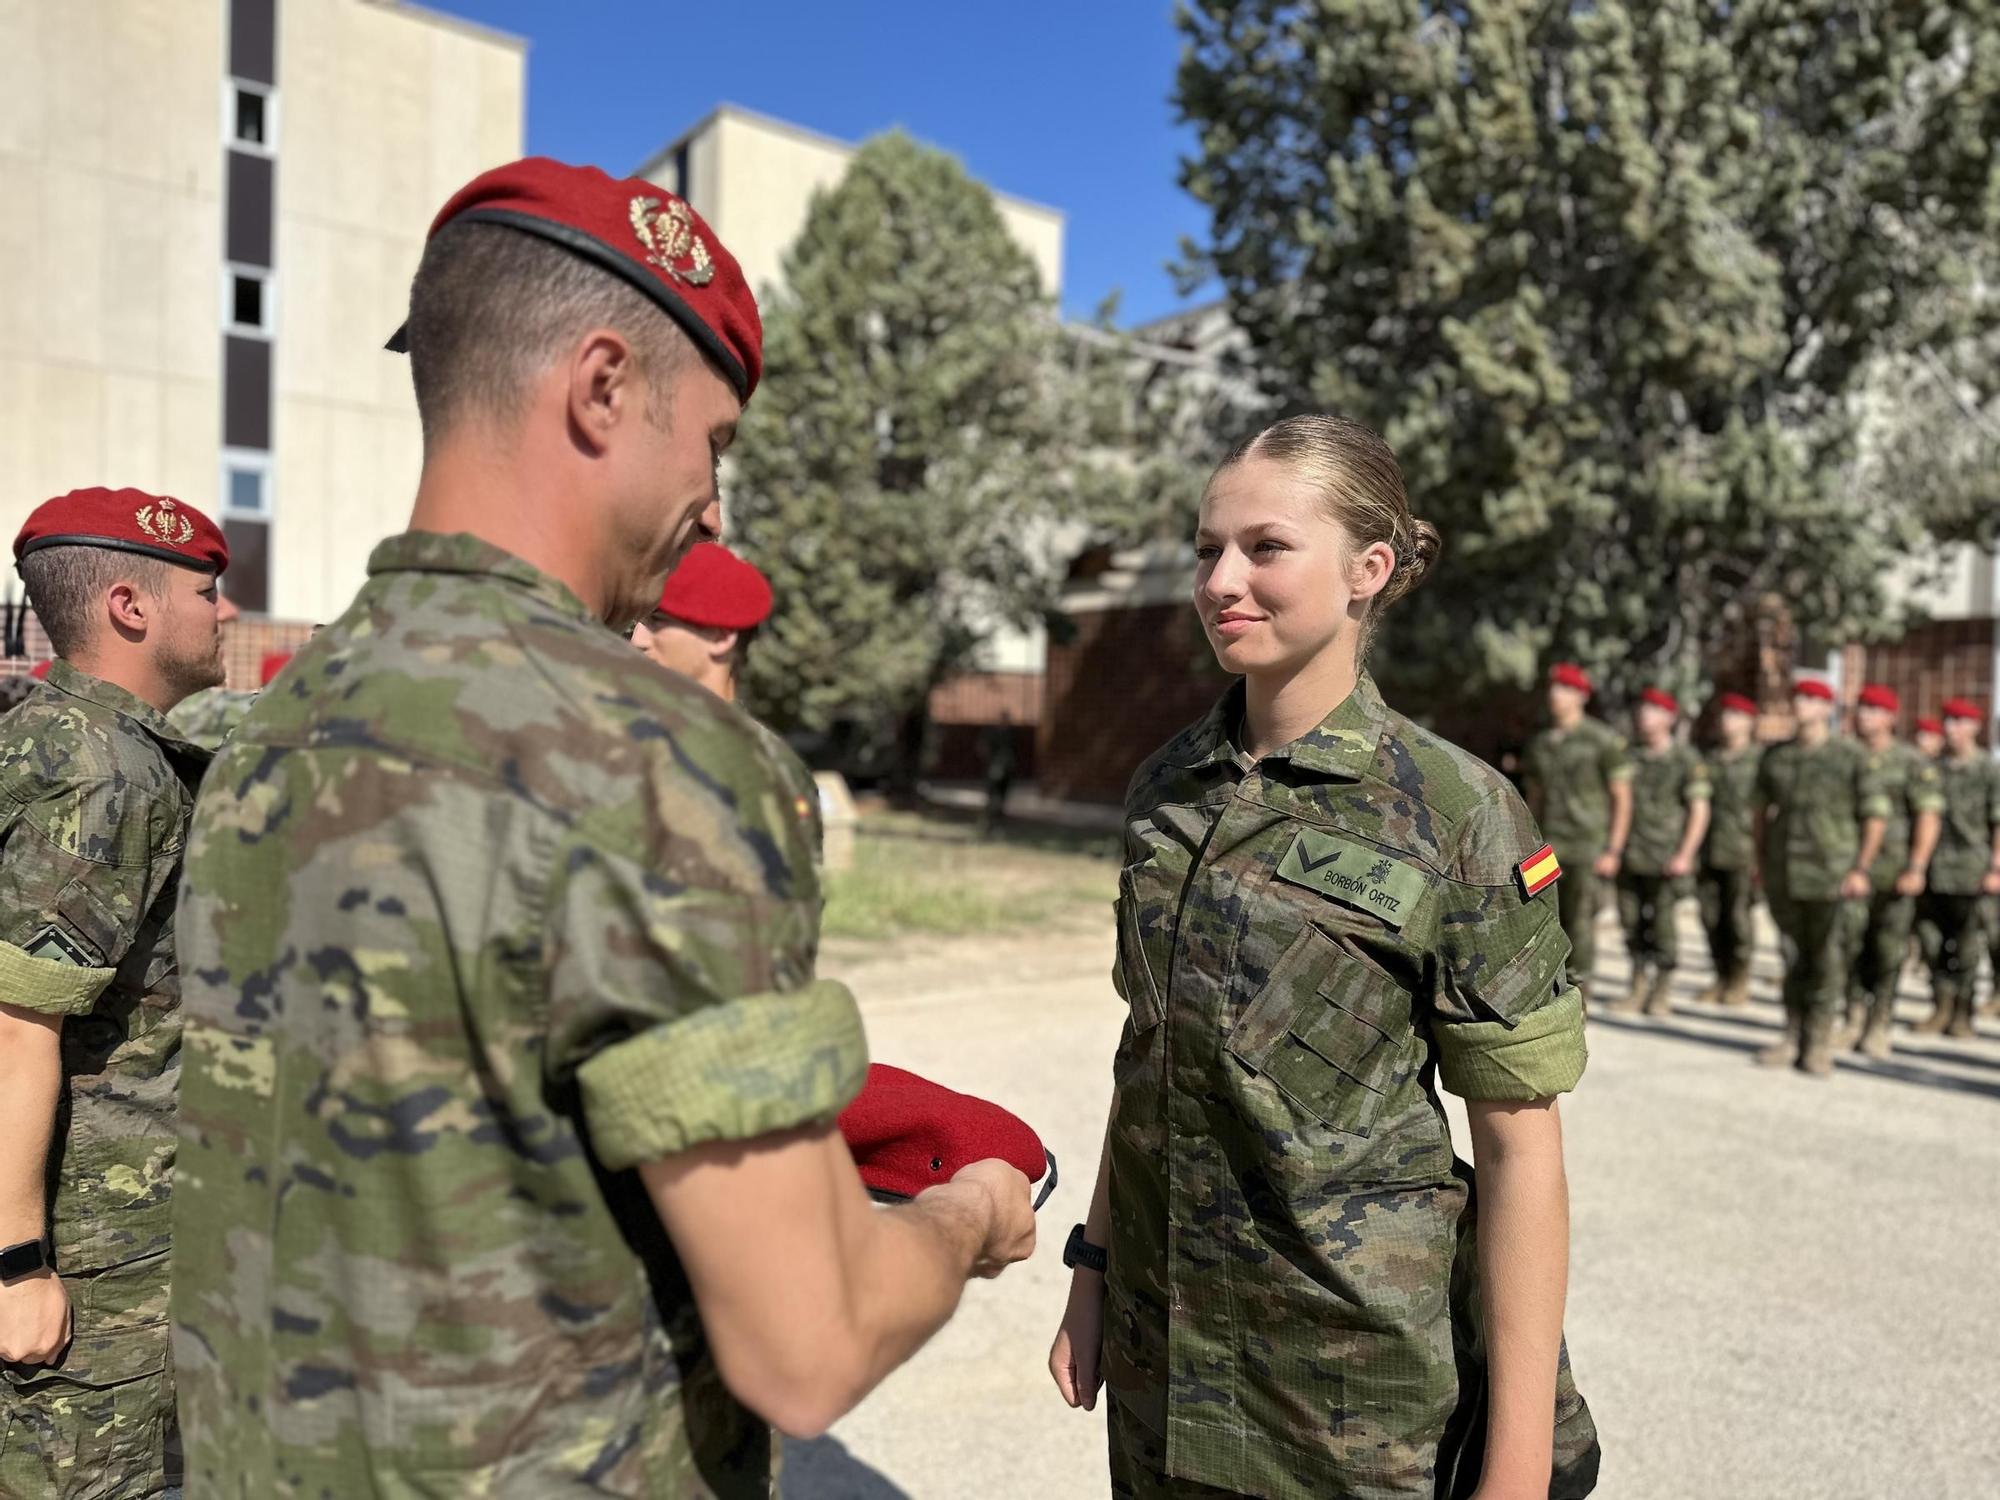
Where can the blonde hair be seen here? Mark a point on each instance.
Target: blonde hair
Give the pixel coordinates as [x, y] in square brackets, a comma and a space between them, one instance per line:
[1360, 487]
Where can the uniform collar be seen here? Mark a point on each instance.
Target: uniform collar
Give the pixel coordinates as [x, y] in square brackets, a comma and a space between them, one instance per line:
[1342, 744]
[108, 695]
[460, 552]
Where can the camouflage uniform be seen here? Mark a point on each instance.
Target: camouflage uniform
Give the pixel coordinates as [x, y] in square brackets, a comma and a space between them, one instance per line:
[1971, 792]
[209, 717]
[1815, 801]
[95, 792]
[1665, 788]
[483, 910]
[1306, 945]
[1909, 780]
[1725, 884]
[1571, 772]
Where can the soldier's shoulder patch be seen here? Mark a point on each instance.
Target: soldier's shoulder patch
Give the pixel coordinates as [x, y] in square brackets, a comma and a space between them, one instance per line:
[1538, 871]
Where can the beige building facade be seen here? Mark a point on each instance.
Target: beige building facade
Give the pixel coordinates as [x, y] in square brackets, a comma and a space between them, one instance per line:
[218, 206]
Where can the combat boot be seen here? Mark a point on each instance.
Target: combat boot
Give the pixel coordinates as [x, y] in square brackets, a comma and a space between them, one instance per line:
[1737, 991]
[1875, 1038]
[1782, 1054]
[1660, 998]
[1633, 1001]
[1849, 1029]
[1716, 993]
[1961, 1027]
[1816, 1056]
[1945, 999]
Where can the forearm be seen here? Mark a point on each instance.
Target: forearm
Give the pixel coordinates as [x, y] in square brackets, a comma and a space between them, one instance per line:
[1872, 830]
[1924, 841]
[1621, 815]
[30, 1084]
[1524, 1269]
[1693, 831]
[905, 1281]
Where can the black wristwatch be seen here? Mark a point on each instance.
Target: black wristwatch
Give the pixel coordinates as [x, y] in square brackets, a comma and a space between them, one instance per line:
[1080, 1252]
[25, 1259]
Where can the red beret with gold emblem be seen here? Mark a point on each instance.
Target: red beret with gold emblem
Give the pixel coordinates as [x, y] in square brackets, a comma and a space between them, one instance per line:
[1660, 698]
[1928, 725]
[640, 233]
[1877, 695]
[126, 521]
[1568, 674]
[1961, 708]
[907, 1134]
[1737, 703]
[714, 587]
[1812, 687]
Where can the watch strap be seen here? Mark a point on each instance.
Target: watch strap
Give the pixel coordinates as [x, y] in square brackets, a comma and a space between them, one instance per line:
[24, 1259]
[1080, 1252]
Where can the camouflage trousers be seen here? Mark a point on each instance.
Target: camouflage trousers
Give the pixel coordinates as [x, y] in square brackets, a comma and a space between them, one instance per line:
[1960, 939]
[1646, 906]
[1816, 942]
[1726, 899]
[1576, 905]
[1881, 945]
[100, 1425]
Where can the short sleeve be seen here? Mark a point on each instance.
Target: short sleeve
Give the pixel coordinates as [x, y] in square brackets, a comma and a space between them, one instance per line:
[1871, 791]
[1926, 787]
[1993, 793]
[681, 1000]
[1507, 1022]
[77, 880]
[1698, 787]
[1615, 760]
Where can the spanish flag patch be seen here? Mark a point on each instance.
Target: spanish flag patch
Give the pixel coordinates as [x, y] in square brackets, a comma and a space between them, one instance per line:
[1538, 871]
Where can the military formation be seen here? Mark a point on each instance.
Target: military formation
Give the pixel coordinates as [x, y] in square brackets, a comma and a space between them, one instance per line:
[1871, 853]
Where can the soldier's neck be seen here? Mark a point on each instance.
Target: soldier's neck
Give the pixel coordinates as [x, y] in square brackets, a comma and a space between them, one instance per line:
[1878, 741]
[1277, 710]
[134, 674]
[1812, 736]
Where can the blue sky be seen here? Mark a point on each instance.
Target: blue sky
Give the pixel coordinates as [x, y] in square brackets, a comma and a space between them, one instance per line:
[1064, 103]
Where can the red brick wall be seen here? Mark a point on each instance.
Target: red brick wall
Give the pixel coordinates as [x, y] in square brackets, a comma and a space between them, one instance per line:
[1935, 661]
[962, 709]
[1119, 689]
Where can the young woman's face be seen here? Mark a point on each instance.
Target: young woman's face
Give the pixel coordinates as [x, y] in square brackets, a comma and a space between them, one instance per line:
[1275, 580]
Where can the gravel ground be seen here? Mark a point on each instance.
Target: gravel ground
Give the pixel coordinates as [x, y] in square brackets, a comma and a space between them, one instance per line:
[1779, 1287]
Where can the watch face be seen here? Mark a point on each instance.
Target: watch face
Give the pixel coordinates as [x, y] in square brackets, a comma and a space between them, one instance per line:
[19, 1260]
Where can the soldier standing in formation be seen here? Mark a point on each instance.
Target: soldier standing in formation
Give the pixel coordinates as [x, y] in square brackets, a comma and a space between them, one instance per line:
[1896, 879]
[1579, 785]
[1670, 796]
[95, 792]
[1726, 885]
[1820, 815]
[1323, 906]
[509, 1149]
[1965, 867]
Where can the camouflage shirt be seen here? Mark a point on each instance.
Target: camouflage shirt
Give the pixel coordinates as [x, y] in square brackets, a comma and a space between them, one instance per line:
[95, 792]
[1815, 801]
[1307, 944]
[482, 910]
[1664, 787]
[209, 717]
[1910, 781]
[1970, 792]
[1572, 770]
[1732, 780]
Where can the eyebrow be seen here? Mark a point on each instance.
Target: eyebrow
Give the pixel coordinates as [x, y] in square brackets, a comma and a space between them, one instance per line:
[1255, 528]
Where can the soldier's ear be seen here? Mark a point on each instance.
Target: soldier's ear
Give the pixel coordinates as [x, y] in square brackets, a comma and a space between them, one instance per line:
[129, 607]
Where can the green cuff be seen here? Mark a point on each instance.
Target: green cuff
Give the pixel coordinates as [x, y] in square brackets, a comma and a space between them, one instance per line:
[1540, 1055]
[730, 1072]
[43, 985]
[1876, 807]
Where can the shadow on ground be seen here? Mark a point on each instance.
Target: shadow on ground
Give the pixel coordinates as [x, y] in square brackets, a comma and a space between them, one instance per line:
[824, 1470]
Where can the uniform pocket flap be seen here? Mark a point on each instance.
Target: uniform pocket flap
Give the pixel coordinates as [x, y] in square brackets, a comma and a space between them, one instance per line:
[1138, 982]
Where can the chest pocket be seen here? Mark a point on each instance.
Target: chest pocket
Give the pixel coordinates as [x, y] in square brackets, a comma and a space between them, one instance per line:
[1331, 1030]
[1145, 944]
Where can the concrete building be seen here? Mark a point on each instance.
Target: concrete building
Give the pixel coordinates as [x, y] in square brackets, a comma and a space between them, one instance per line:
[215, 206]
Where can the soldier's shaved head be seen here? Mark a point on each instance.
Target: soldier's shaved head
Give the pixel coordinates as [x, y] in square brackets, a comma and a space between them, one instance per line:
[66, 585]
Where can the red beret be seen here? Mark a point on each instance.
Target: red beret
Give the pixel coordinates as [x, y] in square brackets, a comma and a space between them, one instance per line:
[1928, 725]
[1812, 687]
[1569, 674]
[40, 670]
[126, 521]
[1736, 703]
[1961, 708]
[1661, 699]
[640, 233]
[272, 664]
[1875, 695]
[712, 586]
[908, 1134]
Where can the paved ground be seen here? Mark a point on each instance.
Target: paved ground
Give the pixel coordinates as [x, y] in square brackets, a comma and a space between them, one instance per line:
[1781, 1289]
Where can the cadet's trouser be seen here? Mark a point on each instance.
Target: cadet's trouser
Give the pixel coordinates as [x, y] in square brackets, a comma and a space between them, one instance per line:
[1726, 897]
[1882, 943]
[1959, 939]
[1576, 906]
[1646, 913]
[1816, 944]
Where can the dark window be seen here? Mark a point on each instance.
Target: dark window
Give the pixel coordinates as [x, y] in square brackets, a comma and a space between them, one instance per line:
[249, 237]
[246, 490]
[253, 39]
[248, 580]
[246, 301]
[246, 393]
[250, 128]
[681, 170]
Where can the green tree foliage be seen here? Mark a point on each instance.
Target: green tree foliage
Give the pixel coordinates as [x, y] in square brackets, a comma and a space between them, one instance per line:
[1611, 277]
[918, 445]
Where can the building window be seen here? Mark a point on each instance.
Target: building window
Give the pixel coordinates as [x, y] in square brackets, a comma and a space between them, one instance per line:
[253, 117]
[253, 40]
[248, 580]
[246, 295]
[247, 222]
[681, 173]
[246, 484]
[246, 392]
